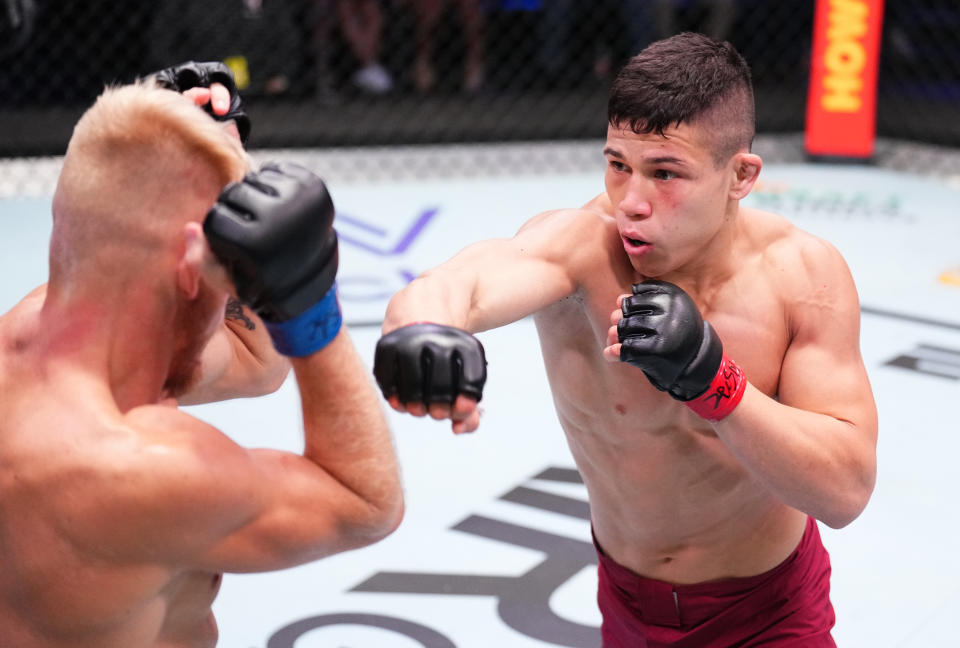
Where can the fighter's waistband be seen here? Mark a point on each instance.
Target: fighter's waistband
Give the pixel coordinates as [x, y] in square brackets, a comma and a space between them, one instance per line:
[661, 600]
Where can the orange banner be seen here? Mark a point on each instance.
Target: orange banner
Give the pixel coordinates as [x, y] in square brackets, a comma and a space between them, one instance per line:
[842, 100]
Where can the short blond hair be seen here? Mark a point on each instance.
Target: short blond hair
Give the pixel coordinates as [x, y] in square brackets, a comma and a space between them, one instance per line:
[136, 159]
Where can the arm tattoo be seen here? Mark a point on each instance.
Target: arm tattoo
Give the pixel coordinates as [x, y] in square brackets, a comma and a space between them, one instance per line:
[235, 312]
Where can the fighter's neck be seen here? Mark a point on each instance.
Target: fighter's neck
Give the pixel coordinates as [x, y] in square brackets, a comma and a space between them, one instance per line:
[714, 264]
[128, 343]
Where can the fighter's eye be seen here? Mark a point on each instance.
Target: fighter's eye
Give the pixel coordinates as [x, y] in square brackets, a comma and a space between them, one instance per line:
[664, 174]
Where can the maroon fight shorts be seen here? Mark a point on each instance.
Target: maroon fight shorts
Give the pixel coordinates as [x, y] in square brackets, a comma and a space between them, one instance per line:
[786, 606]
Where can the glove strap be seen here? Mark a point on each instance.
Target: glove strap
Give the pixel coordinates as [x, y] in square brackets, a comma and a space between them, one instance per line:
[309, 331]
[723, 394]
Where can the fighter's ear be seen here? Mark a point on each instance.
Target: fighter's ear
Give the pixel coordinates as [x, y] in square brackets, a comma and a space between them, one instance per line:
[746, 169]
[190, 265]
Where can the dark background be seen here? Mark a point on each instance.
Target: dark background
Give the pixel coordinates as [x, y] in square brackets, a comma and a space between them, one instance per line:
[56, 60]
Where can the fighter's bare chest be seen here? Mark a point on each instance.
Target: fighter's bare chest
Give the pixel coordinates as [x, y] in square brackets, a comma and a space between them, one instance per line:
[755, 334]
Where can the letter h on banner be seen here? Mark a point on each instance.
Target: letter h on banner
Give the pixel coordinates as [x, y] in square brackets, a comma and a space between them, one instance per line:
[842, 98]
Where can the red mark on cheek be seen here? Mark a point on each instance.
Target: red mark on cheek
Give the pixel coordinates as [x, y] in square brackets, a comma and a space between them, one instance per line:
[621, 410]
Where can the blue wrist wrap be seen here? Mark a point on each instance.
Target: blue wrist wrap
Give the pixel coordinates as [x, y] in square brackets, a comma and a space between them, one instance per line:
[309, 331]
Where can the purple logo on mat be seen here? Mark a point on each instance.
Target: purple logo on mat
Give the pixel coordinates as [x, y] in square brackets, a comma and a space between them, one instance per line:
[391, 271]
[373, 238]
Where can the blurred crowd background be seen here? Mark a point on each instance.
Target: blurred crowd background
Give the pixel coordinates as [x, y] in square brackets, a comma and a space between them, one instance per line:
[335, 73]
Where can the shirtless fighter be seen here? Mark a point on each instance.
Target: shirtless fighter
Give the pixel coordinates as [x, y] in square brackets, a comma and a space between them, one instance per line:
[118, 512]
[719, 410]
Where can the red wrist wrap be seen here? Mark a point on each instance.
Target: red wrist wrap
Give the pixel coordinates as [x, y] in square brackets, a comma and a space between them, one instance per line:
[723, 394]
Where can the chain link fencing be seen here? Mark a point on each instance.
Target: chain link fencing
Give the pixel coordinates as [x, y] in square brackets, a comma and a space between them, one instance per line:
[357, 75]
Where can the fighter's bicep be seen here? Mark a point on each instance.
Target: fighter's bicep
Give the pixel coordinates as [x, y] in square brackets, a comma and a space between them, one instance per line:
[297, 513]
[818, 379]
[527, 272]
[194, 498]
[823, 370]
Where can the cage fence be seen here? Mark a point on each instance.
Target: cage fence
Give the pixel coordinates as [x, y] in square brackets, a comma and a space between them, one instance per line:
[339, 79]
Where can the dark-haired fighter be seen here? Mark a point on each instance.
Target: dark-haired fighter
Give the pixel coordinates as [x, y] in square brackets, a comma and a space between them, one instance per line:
[704, 360]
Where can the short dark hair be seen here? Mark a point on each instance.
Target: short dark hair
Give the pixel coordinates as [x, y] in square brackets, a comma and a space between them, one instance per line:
[683, 79]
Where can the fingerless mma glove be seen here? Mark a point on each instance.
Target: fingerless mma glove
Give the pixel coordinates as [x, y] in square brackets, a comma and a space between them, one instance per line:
[663, 333]
[201, 75]
[274, 234]
[429, 363]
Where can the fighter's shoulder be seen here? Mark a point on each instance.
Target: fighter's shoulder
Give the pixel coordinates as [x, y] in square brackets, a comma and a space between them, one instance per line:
[152, 472]
[28, 305]
[803, 269]
[169, 431]
[567, 238]
[572, 223]
[785, 246]
[18, 330]
[178, 453]
[159, 449]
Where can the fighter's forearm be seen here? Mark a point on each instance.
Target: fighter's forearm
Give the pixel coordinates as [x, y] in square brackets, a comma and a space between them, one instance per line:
[488, 284]
[814, 462]
[347, 436]
[435, 296]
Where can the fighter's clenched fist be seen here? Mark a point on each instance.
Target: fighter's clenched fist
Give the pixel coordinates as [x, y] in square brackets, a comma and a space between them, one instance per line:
[274, 234]
[432, 368]
[660, 331]
[223, 103]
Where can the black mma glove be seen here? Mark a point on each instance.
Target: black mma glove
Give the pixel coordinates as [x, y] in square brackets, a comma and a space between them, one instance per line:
[201, 75]
[274, 234]
[430, 363]
[663, 333]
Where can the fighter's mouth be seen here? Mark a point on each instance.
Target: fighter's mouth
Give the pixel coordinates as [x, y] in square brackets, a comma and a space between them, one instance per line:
[636, 242]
